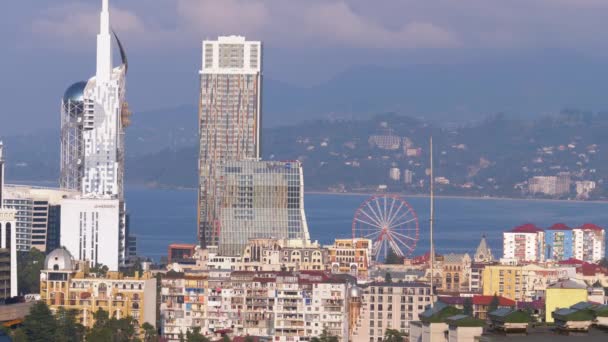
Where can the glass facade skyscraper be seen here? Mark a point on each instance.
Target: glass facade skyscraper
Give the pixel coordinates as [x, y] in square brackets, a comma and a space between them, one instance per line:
[261, 199]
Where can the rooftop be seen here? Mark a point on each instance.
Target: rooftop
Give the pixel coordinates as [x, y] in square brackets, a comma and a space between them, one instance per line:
[526, 228]
[559, 226]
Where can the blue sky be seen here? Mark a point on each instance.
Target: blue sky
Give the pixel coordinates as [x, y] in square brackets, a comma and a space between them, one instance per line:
[47, 45]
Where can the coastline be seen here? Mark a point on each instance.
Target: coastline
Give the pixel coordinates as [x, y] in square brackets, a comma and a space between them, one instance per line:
[153, 186]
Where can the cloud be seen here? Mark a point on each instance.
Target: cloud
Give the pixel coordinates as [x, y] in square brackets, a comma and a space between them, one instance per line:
[309, 24]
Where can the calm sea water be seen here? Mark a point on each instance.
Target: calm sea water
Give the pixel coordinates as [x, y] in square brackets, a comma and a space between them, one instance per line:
[161, 217]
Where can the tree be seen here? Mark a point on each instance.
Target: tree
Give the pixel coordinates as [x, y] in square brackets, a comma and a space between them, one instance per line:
[249, 339]
[393, 335]
[604, 262]
[392, 258]
[468, 307]
[195, 335]
[388, 278]
[325, 337]
[40, 324]
[67, 328]
[100, 270]
[29, 265]
[494, 304]
[150, 333]
[111, 329]
[225, 338]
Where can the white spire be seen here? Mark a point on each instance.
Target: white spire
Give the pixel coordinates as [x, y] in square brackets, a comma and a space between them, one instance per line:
[104, 45]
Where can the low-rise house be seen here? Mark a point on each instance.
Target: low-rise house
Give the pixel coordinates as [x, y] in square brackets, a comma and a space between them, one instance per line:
[510, 320]
[432, 325]
[463, 328]
[571, 319]
[563, 294]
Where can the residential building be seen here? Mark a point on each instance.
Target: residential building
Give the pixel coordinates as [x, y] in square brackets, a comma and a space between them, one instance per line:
[563, 294]
[229, 121]
[182, 303]
[456, 270]
[476, 277]
[286, 255]
[550, 185]
[261, 199]
[481, 305]
[408, 176]
[558, 242]
[525, 243]
[38, 223]
[394, 174]
[64, 283]
[584, 188]
[351, 256]
[390, 306]
[522, 283]
[8, 242]
[180, 251]
[284, 306]
[501, 280]
[589, 243]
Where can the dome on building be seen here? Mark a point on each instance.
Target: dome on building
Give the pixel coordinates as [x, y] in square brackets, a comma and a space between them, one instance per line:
[75, 92]
[355, 292]
[59, 260]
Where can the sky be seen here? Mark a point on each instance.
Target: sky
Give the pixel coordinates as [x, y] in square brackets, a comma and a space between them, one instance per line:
[47, 45]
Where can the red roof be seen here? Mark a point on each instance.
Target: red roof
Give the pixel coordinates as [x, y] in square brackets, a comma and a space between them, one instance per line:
[527, 228]
[592, 269]
[571, 261]
[591, 226]
[559, 226]
[486, 300]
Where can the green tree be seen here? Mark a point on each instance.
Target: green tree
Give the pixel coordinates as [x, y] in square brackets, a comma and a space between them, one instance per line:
[195, 335]
[67, 328]
[40, 324]
[249, 339]
[150, 333]
[29, 265]
[181, 337]
[468, 307]
[325, 337]
[604, 262]
[388, 278]
[100, 270]
[494, 304]
[393, 335]
[101, 330]
[226, 339]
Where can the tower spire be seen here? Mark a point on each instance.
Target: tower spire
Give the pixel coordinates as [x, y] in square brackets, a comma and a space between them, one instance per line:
[104, 45]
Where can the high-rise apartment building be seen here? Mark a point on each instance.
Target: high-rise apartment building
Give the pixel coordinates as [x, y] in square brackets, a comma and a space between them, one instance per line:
[261, 199]
[525, 243]
[8, 243]
[94, 117]
[558, 242]
[229, 121]
[589, 243]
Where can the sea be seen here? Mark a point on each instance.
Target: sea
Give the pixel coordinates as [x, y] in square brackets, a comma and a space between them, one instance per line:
[159, 217]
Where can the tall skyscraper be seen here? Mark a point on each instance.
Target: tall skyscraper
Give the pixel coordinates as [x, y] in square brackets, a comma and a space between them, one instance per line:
[229, 121]
[262, 199]
[94, 118]
[104, 119]
[8, 248]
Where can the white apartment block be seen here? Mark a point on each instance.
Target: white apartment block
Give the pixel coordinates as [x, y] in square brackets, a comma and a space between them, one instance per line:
[589, 243]
[525, 243]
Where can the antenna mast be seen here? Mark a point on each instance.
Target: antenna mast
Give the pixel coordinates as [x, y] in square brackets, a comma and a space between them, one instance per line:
[431, 221]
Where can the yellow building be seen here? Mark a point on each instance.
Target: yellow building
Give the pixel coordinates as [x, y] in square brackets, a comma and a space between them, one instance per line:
[503, 280]
[563, 294]
[65, 284]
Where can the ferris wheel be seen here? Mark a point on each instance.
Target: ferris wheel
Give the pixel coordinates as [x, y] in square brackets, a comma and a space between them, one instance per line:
[390, 222]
